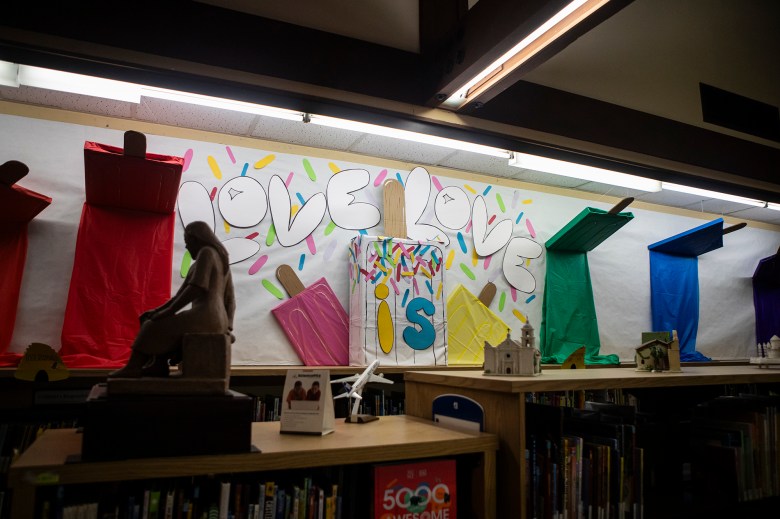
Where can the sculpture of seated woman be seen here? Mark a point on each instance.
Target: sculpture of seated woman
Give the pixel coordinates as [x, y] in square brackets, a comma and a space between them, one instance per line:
[208, 286]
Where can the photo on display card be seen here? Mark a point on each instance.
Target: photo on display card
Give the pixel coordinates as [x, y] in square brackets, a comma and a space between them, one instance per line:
[307, 403]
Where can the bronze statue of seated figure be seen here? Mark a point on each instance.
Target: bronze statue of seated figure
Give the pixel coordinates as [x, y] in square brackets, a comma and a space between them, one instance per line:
[208, 286]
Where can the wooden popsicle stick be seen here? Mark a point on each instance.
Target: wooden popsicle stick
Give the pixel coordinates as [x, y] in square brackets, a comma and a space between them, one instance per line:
[395, 209]
[621, 205]
[12, 171]
[289, 280]
[135, 144]
[487, 294]
[734, 228]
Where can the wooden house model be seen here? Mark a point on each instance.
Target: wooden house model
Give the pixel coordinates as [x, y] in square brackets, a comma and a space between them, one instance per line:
[658, 354]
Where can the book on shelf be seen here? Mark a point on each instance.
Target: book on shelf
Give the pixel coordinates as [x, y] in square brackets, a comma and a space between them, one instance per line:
[419, 489]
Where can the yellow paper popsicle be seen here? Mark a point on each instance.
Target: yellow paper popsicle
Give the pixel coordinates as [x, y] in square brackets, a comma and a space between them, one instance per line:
[469, 324]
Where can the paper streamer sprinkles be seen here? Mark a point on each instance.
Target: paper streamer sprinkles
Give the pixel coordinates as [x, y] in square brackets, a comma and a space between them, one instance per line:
[273, 289]
[309, 170]
[260, 164]
[187, 160]
[230, 154]
[467, 271]
[186, 261]
[329, 228]
[462, 243]
[500, 202]
[530, 227]
[269, 240]
[310, 243]
[380, 178]
[520, 316]
[329, 250]
[436, 183]
[301, 261]
[257, 265]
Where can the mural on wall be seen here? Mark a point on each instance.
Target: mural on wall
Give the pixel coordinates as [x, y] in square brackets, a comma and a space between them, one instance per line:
[303, 209]
[311, 216]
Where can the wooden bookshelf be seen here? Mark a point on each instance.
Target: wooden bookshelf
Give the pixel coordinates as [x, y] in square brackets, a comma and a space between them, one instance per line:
[503, 400]
[392, 438]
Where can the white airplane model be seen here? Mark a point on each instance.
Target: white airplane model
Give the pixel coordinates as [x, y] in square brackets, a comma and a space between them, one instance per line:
[354, 391]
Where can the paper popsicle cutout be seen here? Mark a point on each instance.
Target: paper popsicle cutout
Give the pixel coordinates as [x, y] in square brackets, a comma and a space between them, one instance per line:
[470, 323]
[313, 320]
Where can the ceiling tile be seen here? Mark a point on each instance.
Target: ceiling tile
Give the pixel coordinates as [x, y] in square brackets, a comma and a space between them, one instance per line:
[174, 113]
[407, 151]
[477, 163]
[759, 214]
[297, 132]
[68, 101]
[718, 206]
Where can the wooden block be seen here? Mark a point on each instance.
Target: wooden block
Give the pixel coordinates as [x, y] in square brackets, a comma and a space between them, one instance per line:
[206, 355]
[145, 426]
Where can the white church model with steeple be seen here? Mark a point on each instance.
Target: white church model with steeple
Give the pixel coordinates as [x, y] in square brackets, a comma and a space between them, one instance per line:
[514, 358]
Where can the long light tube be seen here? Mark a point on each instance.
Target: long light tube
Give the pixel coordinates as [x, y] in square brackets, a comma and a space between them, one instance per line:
[222, 103]
[9, 74]
[712, 194]
[773, 206]
[385, 131]
[79, 84]
[570, 169]
[545, 34]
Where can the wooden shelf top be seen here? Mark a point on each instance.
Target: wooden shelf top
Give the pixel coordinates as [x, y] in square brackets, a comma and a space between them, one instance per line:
[597, 378]
[391, 438]
[267, 371]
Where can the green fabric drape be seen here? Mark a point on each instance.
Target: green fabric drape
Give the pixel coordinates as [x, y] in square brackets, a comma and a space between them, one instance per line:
[568, 311]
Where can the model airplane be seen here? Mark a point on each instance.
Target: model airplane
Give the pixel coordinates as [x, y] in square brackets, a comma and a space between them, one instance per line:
[353, 392]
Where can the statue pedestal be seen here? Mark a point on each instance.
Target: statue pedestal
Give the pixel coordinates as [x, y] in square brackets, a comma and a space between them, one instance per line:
[149, 426]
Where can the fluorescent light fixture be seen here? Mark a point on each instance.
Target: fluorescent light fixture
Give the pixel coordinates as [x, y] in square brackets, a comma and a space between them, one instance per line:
[79, 84]
[773, 206]
[712, 194]
[224, 104]
[545, 34]
[570, 169]
[385, 131]
[9, 74]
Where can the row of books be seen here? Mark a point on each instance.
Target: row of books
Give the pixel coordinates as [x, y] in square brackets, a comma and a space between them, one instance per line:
[196, 498]
[583, 463]
[378, 403]
[577, 399]
[737, 438]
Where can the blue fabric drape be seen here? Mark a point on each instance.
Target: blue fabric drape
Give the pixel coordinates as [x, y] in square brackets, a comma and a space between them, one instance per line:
[674, 283]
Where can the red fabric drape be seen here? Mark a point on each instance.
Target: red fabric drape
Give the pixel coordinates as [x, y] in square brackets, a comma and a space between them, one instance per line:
[122, 267]
[17, 207]
[13, 252]
[124, 253]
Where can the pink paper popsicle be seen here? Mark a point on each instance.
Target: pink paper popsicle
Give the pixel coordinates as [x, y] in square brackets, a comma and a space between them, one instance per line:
[316, 325]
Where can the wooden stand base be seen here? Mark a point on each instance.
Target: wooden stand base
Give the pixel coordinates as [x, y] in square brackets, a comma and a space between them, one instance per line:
[142, 426]
[361, 418]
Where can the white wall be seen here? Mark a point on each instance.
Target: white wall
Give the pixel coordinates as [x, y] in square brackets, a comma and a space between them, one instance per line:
[619, 267]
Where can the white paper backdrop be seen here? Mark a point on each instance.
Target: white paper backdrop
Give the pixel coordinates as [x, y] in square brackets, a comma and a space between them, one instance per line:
[619, 267]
